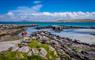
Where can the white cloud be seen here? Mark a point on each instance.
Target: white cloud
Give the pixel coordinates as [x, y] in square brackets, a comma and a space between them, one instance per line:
[37, 2]
[33, 14]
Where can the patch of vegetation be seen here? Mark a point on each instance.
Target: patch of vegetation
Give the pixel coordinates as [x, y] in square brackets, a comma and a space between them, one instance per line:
[9, 55]
[51, 55]
[35, 57]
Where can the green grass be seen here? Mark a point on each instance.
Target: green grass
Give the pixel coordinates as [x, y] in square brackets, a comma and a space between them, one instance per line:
[35, 57]
[8, 55]
[50, 54]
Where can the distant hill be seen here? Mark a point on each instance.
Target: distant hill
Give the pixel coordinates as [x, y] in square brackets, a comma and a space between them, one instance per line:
[77, 20]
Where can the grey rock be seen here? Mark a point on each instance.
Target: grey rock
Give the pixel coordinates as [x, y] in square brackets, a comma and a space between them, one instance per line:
[42, 52]
[24, 49]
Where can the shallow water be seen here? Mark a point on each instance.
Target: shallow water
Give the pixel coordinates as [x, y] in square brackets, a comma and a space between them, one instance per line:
[82, 35]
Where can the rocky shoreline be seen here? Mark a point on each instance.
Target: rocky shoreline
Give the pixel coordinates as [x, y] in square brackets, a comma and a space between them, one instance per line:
[46, 46]
[41, 43]
[59, 28]
[65, 46]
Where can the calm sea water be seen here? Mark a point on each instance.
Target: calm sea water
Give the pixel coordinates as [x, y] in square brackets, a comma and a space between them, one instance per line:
[54, 23]
[74, 34]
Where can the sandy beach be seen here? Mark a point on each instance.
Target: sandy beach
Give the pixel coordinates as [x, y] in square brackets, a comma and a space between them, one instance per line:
[7, 44]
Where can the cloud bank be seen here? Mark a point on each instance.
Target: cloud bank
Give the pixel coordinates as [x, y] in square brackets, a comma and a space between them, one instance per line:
[33, 14]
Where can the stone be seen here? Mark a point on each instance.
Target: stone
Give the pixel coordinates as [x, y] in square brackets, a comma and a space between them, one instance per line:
[51, 48]
[15, 48]
[42, 33]
[33, 37]
[55, 53]
[58, 58]
[45, 38]
[35, 51]
[30, 53]
[54, 42]
[24, 49]
[42, 52]
[25, 38]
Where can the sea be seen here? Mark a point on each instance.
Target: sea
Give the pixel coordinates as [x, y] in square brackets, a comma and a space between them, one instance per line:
[91, 24]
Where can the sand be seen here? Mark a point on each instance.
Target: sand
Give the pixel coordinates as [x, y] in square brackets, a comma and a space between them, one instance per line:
[7, 44]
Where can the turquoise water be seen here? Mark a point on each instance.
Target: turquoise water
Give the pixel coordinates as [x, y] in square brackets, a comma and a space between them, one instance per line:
[92, 24]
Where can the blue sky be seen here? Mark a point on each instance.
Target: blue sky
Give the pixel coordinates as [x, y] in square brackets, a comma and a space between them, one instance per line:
[46, 10]
[50, 5]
